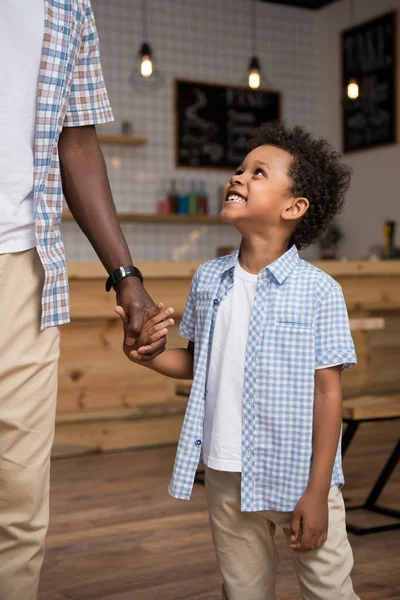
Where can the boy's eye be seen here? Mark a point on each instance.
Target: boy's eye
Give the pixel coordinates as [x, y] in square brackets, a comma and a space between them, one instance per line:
[258, 170]
[239, 172]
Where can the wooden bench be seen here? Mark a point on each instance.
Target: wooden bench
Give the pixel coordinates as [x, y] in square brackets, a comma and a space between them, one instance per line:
[366, 409]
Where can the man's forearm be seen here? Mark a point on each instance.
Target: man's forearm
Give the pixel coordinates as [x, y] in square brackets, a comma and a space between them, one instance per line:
[88, 195]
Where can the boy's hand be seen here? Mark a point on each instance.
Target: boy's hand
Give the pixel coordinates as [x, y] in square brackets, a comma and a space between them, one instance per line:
[309, 526]
[154, 327]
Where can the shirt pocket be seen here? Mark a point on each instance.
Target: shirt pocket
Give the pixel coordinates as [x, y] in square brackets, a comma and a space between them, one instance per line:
[292, 344]
[294, 324]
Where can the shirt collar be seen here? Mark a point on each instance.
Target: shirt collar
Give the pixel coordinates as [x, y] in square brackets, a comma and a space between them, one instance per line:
[280, 268]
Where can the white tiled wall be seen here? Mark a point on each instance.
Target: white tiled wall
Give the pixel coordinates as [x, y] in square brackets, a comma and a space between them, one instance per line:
[205, 40]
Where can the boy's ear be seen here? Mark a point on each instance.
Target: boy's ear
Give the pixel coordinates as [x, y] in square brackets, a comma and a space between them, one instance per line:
[296, 209]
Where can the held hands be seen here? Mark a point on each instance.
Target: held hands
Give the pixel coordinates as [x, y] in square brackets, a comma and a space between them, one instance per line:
[309, 527]
[133, 298]
[155, 322]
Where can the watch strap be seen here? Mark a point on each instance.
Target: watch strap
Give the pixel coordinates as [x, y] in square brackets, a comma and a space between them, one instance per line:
[120, 273]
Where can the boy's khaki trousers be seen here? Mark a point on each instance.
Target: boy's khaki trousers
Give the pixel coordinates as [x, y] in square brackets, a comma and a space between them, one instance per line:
[28, 390]
[247, 555]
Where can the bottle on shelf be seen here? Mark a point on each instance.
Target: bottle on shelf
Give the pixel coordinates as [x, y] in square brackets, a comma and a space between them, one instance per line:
[173, 197]
[193, 199]
[203, 199]
[183, 199]
[162, 206]
[389, 230]
[220, 198]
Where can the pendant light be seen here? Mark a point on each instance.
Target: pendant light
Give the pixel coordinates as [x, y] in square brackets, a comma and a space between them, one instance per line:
[352, 86]
[146, 66]
[145, 75]
[254, 71]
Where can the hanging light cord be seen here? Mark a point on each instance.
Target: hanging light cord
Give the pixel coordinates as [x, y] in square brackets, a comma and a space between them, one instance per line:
[253, 28]
[144, 21]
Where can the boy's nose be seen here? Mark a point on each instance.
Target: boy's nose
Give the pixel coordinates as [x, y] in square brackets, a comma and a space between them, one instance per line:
[236, 179]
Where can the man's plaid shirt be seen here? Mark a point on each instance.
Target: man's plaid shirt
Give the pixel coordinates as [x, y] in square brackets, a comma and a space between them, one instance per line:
[71, 92]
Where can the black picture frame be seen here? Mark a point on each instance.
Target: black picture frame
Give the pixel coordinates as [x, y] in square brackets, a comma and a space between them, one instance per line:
[213, 122]
[368, 55]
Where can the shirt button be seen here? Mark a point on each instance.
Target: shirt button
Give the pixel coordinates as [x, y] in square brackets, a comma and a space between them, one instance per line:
[231, 273]
[216, 302]
[198, 442]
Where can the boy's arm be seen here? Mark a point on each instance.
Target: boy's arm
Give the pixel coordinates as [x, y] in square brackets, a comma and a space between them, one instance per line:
[310, 517]
[176, 363]
[327, 422]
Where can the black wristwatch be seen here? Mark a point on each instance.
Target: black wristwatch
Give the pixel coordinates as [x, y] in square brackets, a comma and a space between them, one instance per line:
[118, 274]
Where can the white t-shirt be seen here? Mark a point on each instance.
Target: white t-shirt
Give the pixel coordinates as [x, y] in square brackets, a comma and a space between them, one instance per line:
[222, 441]
[21, 38]
[222, 435]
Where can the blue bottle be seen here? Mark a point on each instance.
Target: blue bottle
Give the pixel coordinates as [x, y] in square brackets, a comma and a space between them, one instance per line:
[183, 199]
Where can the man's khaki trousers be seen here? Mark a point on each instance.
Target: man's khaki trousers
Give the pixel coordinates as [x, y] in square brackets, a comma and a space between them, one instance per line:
[246, 552]
[28, 390]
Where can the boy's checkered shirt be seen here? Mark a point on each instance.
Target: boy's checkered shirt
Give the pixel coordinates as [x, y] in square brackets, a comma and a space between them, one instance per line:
[299, 321]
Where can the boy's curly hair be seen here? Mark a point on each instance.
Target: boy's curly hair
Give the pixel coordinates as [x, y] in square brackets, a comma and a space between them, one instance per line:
[317, 174]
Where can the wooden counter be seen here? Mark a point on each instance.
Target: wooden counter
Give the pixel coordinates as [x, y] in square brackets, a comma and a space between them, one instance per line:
[106, 402]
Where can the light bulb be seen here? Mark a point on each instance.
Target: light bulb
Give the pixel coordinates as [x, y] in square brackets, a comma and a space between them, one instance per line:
[352, 89]
[146, 66]
[254, 79]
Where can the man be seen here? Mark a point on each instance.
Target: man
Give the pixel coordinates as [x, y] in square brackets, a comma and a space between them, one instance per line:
[52, 94]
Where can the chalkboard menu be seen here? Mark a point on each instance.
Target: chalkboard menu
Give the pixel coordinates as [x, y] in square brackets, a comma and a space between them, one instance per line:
[368, 55]
[214, 122]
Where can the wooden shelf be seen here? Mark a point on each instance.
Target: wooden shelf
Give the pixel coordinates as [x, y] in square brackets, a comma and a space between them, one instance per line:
[124, 140]
[161, 218]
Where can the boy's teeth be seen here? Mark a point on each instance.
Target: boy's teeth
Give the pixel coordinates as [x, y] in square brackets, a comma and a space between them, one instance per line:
[235, 198]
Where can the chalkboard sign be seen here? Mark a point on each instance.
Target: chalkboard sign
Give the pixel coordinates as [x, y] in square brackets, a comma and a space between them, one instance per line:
[368, 55]
[214, 122]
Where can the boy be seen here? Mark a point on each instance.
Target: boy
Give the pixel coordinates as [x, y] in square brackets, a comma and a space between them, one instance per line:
[268, 338]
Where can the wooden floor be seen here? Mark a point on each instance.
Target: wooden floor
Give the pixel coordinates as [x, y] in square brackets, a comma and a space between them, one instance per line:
[115, 534]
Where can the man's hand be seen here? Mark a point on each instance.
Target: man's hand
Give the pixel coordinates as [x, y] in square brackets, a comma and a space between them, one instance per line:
[133, 298]
[309, 527]
[155, 324]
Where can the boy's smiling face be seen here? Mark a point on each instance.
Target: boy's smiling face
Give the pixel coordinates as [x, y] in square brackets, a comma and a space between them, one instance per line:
[258, 194]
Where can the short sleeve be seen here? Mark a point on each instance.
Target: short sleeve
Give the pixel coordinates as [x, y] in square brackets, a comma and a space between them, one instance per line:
[88, 102]
[188, 323]
[334, 344]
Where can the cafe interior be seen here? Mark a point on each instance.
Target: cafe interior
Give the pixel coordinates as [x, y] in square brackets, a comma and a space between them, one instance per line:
[188, 80]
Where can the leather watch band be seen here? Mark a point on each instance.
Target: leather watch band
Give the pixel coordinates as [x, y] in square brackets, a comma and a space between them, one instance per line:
[120, 273]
